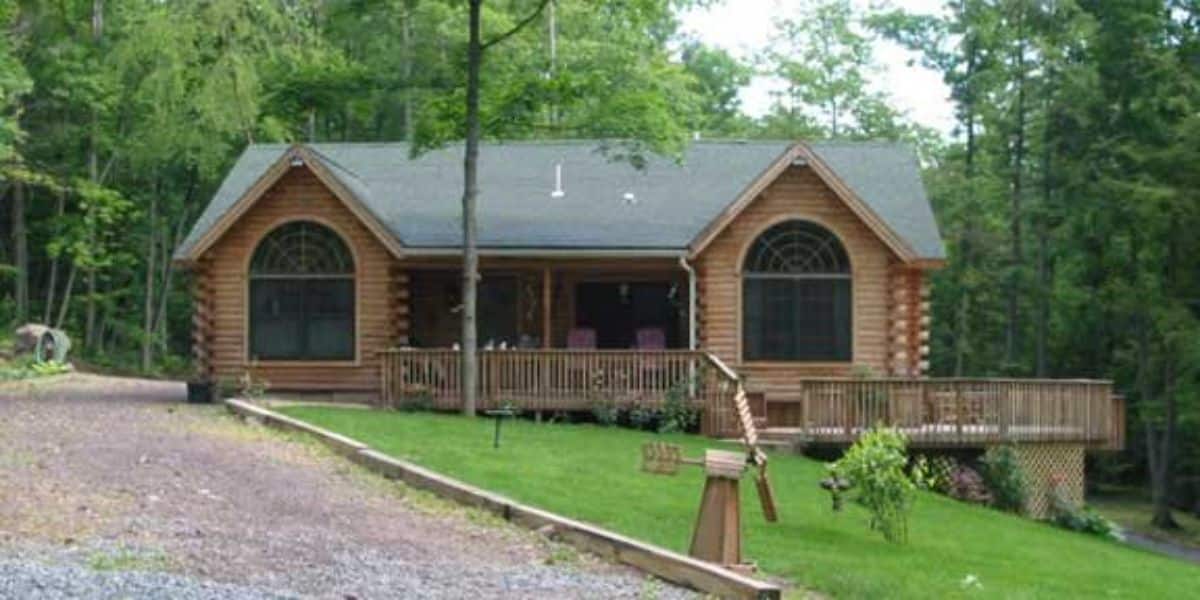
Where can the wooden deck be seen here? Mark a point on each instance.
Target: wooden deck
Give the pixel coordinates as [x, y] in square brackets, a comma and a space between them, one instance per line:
[953, 412]
[933, 412]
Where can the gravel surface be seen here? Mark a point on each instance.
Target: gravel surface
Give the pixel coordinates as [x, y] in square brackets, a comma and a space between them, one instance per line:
[114, 488]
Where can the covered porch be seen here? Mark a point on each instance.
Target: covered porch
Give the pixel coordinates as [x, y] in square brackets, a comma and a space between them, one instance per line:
[581, 304]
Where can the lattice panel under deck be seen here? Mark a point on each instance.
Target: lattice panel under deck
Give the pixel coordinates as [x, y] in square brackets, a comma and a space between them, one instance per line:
[1051, 465]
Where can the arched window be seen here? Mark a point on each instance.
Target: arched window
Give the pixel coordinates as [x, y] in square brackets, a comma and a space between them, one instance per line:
[796, 295]
[302, 295]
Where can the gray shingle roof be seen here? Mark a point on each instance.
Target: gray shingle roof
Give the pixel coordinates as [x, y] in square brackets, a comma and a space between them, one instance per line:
[418, 200]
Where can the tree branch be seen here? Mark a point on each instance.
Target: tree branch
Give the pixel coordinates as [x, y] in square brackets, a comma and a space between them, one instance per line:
[516, 28]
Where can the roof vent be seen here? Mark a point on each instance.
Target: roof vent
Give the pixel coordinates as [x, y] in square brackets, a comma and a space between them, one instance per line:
[558, 188]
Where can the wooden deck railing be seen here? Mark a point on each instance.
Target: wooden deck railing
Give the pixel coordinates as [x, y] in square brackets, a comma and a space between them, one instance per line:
[958, 412]
[566, 380]
[933, 412]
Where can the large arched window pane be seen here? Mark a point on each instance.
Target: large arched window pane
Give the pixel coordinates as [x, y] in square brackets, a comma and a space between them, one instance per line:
[302, 295]
[796, 295]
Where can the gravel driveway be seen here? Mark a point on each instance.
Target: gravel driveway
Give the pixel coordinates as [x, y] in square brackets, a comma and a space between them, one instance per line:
[114, 488]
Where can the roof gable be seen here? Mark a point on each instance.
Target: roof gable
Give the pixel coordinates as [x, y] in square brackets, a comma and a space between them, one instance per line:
[607, 205]
[237, 195]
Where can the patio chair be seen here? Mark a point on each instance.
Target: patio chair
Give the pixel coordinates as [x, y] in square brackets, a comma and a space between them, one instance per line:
[581, 338]
[651, 338]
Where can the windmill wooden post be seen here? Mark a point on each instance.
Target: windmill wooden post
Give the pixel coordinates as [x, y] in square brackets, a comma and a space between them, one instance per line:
[718, 534]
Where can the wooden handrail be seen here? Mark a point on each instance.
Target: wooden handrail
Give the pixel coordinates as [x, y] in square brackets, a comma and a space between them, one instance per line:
[722, 367]
[956, 412]
[565, 380]
[953, 411]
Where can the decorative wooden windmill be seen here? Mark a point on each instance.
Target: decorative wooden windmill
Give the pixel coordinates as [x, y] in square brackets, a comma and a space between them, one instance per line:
[718, 534]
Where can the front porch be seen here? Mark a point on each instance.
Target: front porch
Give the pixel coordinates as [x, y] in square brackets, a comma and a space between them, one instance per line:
[581, 304]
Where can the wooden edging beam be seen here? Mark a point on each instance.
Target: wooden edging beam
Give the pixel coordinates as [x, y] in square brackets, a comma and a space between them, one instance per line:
[660, 562]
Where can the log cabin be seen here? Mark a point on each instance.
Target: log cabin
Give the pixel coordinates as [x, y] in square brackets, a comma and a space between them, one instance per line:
[797, 273]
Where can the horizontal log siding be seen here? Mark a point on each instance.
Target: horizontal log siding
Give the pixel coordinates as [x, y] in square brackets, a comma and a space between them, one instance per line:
[798, 193]
[299, 195]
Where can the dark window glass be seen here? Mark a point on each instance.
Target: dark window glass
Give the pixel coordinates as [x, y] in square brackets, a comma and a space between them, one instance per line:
[497, 306]
[796, 295]
[302, 295]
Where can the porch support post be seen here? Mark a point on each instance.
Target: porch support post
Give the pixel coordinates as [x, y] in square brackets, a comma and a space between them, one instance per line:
[546, 300]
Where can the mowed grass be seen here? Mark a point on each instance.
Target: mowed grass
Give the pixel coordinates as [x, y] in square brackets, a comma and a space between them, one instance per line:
[592, 473]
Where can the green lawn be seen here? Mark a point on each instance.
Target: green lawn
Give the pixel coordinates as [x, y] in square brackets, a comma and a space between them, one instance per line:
[591, 473]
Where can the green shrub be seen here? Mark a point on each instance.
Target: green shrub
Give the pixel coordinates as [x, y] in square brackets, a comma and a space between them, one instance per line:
[1065, 514]
[678, 414]
[605, 411]
[27, 368]
[935, 475]
[875, 465]
[418, 400]
[967, 486]
[1005, 478]
[642, 418]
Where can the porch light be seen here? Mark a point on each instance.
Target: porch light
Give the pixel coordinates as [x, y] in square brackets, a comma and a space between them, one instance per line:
[297, 161]
[629, 198]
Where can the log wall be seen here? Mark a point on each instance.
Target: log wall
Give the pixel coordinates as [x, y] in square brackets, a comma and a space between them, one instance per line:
[381, 319]
[800, 194]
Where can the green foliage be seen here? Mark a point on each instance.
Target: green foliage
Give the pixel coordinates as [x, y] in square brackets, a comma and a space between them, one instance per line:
[642, 418]
[875, 466]
[1067, 515]
[27, 368]
[416, 401]
[679, 414]
[935, 475]
[1005, 478]
[605, 411]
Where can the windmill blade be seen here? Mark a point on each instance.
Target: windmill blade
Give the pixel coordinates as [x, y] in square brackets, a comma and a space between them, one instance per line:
[755, 455]
[766, 494]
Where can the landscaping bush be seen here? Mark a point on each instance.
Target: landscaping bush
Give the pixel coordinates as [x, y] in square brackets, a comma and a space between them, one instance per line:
[605, 411]
[1065, 514]
[875, 465]
[968, 486]
[642, 418]
[28, 368]
[936, 474]
[1001, 470]
[678, 415]
[416, 401]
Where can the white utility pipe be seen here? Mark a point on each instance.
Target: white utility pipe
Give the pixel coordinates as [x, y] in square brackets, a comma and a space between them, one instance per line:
[683, 262]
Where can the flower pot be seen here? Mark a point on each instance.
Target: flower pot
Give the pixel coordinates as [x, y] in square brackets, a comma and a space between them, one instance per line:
[199, 392]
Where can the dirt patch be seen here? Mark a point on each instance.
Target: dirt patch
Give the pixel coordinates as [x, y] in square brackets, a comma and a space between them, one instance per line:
[95, 462]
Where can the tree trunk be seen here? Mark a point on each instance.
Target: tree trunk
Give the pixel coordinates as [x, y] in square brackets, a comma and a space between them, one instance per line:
[470, 196]
[406, 31]
[962, 338]
[148, 307]
[89, 319]
[64, 310]
[53, 283]
[1013, 328]
[20, 253]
